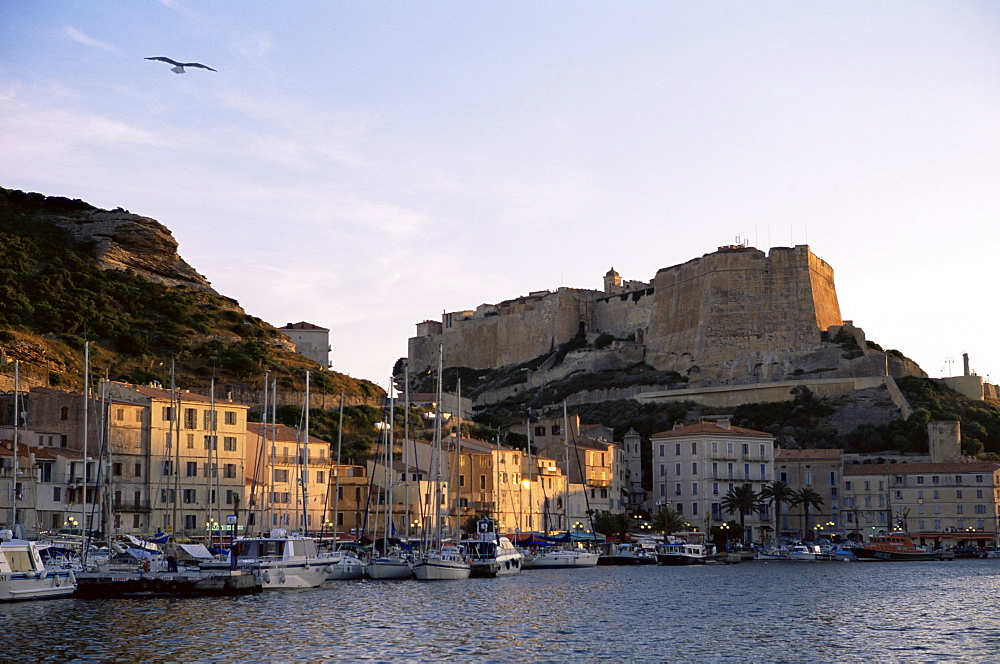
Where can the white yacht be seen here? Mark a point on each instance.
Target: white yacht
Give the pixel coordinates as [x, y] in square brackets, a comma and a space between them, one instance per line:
[445, 563]
[281, 560]
[492, 554]
[805, 552]
[565, 558]
[24, 576]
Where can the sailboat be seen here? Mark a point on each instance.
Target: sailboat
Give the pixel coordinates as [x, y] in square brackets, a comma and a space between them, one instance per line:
[393, 563]
[571, 556]
[440, 561]
[23, 574]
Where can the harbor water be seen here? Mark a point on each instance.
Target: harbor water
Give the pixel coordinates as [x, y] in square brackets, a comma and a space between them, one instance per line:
[755, 611]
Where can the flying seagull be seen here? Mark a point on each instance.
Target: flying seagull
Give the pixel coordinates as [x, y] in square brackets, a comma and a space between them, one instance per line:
[178, 67]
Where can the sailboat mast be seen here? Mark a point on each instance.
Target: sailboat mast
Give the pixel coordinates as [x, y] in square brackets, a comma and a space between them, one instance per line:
[457, 460]
[336, 490]
[389, 453]
[86, 409]
[261, 464]
[437, 451]
[17, 420]
[566, 438]
[217, 468]
[406, 451]
[176, 444]
[305, 465]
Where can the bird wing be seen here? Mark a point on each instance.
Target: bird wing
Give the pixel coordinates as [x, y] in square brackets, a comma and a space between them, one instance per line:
[163, 59]
[197, 64]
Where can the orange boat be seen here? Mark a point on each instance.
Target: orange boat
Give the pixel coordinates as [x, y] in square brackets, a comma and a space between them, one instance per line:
[898, 546]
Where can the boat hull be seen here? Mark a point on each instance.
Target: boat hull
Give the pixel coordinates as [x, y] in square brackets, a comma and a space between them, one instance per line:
[862, 553]
[435, 569]
[492, 567]
[278, 576]
[671, 560]
[565, 560]
[381, 570]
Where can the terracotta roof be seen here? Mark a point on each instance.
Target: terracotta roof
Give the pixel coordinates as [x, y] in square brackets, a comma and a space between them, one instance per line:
[919, 468]
[710, 428]
[808, 455]
[285, 434]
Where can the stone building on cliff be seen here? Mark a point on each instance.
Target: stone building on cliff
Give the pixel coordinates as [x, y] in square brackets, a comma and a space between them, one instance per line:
[734, 316]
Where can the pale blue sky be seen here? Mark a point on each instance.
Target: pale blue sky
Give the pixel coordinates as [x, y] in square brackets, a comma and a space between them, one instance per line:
[366, 165]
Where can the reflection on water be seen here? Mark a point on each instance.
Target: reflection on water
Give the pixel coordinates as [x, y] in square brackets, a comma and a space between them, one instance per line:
[773, 611]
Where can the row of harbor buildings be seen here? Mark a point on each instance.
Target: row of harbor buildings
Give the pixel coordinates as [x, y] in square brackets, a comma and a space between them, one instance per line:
[155, 460]
[134, 459]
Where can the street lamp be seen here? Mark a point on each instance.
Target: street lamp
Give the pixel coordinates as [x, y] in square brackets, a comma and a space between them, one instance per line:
[725, 529]
[323, 528]
[70, 523]
[210, 526]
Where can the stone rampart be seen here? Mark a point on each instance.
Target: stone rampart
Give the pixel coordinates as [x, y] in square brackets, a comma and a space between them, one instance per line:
[735, 315]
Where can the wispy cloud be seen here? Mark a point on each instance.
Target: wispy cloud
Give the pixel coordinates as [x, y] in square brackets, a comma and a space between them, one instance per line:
[81, 38]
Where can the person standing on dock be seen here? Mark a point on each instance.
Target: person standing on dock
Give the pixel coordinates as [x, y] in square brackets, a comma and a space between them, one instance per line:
[170, 553]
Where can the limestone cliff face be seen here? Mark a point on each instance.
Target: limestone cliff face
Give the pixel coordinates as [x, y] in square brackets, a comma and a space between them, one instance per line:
[125, 241]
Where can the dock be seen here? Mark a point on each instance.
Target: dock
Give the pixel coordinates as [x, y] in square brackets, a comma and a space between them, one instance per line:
[193, 583]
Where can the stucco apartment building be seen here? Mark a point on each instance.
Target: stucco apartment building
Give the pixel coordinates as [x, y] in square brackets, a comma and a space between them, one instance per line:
[696, 465]
[946, 504]
[819, 470]
[594, 460]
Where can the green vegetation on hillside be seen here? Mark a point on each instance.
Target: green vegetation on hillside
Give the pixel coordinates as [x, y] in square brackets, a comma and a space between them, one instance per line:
[53, 295]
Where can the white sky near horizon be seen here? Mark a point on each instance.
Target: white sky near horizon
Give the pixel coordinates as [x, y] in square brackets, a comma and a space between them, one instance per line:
[366, 166]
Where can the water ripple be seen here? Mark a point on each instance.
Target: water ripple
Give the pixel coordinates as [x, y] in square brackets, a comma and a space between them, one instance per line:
[753, 612]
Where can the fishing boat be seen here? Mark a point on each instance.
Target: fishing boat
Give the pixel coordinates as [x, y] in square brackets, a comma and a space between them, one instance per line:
[677, 551]
[24, 576]
[491, 554]
[282, 561]
[894, 547]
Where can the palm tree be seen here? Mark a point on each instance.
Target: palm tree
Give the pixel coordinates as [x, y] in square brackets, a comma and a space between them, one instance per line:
[775, 493]
[668, 521]
[742, 499]
[806, 498]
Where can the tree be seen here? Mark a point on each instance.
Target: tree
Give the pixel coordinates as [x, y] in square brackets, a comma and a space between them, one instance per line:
[742, 499]
[806, 498]
[776, 493]
[669, 521]
[608, 523]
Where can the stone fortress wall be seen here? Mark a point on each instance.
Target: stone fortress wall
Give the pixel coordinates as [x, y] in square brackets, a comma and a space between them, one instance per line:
[736, 315]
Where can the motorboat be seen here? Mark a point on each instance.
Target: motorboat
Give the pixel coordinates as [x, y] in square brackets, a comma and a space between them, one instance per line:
[492, 555]
[894, 547]
[681, 552]
[565, 558]
[806, 552]
[615, 553]
[24, 575]
[445, 563]
[281, 560]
